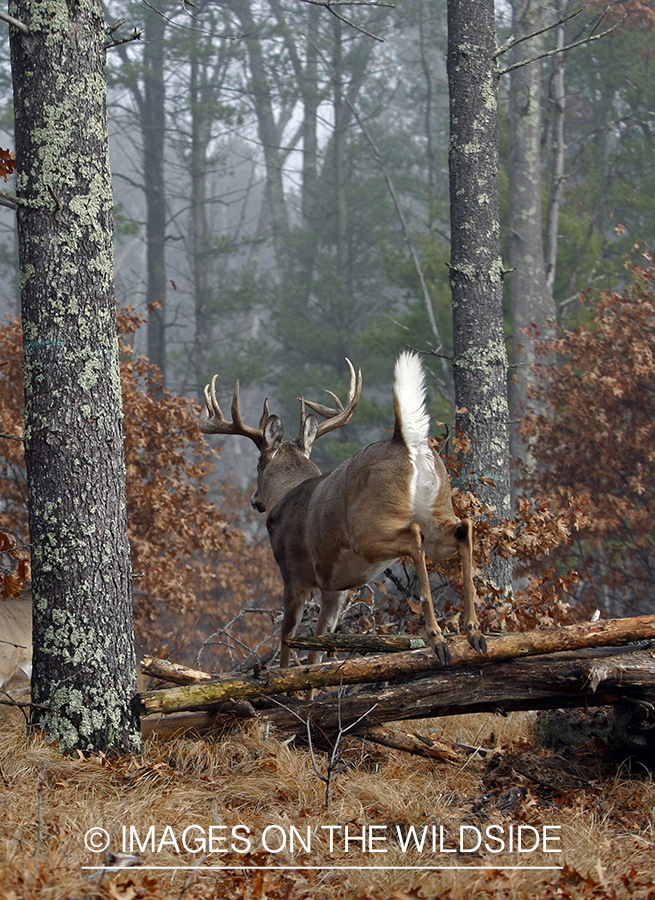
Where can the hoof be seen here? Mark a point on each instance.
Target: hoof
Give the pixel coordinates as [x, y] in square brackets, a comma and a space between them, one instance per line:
[478, 641]
[441, 651]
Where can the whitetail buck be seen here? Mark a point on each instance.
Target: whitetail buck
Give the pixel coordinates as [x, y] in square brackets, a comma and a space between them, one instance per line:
[337, 531]
[15, 643]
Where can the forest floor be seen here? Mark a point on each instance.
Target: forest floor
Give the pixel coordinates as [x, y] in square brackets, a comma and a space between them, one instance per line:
[255, 803]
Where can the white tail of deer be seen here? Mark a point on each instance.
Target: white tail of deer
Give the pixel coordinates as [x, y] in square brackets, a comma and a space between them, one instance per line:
[15, 643]
[338, 531]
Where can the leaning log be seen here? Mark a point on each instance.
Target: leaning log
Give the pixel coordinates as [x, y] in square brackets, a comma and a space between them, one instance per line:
[360, 643]
[606, 676]
[396, 666]
[600, 677]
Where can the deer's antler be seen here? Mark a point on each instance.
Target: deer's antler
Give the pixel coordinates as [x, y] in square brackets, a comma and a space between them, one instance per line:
[212, 420]
[341, 414]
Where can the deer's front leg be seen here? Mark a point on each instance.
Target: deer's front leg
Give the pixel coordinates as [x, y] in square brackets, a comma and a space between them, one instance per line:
[331, 603]
[294, 604]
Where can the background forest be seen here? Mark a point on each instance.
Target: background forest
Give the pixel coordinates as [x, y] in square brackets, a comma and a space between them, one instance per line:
[281, 195]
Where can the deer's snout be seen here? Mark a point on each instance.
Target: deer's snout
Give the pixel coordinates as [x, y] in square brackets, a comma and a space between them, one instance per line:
[256, 503]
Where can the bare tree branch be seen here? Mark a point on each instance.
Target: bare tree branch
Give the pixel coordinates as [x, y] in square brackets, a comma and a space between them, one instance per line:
[580, 43]
[331, 5]
[5, 17]
[512, 42]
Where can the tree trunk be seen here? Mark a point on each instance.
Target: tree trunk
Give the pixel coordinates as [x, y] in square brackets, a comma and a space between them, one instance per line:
[532, 301]
[153, 128]
[199, 238]
[84, 668]
[268, 134]
[558, 148]
[338, 148]
[476, 268]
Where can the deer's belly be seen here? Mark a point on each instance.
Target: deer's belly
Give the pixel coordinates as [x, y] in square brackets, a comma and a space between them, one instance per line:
[352, 571]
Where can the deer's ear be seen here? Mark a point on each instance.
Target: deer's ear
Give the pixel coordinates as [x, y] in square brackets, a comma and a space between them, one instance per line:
[273, 434]
[308, 435]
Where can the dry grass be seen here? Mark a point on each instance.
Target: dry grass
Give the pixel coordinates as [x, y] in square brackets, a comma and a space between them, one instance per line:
[248, 778]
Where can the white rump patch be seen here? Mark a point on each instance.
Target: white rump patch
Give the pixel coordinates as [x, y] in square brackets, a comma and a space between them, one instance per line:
[410, 390]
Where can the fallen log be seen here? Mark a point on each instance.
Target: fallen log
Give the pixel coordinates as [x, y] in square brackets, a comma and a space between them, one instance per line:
[174, 672]
[360, 643]
[396, 666]
[605, 676]
[409, 742]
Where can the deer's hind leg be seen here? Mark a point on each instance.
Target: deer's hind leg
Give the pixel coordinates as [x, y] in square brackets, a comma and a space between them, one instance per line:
[433, 632]
[464, 540]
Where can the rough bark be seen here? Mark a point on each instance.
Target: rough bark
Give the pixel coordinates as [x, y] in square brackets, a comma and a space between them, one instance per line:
[395, 666]
[531, 300]
[476, 268]
[84, 668]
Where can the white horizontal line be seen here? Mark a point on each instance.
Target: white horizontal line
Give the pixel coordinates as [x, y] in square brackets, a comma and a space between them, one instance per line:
[318, 868]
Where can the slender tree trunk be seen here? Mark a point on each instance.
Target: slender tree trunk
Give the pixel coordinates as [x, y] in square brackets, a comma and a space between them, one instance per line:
[558, 100]
[84, 668]
[338, 148]
[198, 229]
[476, 268]
[533, 311]
[310, 93]
[268, 134]
[153, 128]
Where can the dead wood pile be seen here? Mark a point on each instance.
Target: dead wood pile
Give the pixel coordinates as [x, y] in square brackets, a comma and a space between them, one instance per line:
[590, 664]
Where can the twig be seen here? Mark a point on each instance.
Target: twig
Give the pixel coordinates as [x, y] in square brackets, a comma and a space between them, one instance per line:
[9, 201]
[331, 4]
[273, 613]
[580, 43]
[12, 437]
[39, 823]
[512, 42]
[135, 36]
[5, 17]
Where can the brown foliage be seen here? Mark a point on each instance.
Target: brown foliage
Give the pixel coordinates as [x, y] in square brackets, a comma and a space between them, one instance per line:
[637, 13]
[184, 553]
[7, 163]
[540, 527]
[594, 444]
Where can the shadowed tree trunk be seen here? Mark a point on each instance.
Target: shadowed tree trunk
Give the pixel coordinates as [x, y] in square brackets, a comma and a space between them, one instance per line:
[84, 669]
[476, 268]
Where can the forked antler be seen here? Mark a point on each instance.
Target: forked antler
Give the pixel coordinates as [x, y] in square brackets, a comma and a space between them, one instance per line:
[341, 415]
[212, 420]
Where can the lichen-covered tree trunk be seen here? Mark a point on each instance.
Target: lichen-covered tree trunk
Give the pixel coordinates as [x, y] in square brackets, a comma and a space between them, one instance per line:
[476, 268]
[84, 666]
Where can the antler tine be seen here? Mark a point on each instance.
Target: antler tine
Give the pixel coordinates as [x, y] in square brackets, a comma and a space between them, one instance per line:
[212, 420]
[265, 416]
[341, 414]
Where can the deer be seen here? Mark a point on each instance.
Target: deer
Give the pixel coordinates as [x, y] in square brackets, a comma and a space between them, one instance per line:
[15, 642]
[337, 531]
